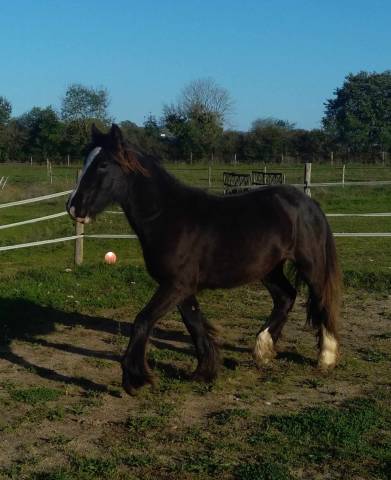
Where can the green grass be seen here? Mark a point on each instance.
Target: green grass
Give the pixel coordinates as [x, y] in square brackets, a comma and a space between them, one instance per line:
[112, 286]
[358, 429]
[364, 257]
[247, 425]
[223, 417]
[34, 395]
[262, 471]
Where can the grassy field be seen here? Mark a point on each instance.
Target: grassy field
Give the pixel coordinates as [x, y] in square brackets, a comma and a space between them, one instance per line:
[361, 254]
[63, 415]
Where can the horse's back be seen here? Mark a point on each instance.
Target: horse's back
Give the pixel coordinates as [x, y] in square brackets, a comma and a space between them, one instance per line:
[257, 208]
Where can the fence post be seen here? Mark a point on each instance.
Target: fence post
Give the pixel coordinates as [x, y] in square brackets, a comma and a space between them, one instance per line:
[343, 175]
[307, 178]
[79, 230]
[209, 176]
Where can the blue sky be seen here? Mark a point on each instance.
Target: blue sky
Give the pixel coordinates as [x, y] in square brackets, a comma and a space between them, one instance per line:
[280, 58]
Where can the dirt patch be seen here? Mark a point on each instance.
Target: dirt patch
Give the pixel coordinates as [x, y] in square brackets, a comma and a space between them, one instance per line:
[61, 399]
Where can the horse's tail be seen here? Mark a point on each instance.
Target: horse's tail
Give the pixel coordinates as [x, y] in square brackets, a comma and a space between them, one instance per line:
[317, 266]
[321, 273]
[329, 300]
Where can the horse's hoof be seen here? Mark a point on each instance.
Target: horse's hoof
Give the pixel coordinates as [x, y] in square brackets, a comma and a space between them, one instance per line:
[129, 389]
[326, 367]
[203, 376]
[264, 352]
[131, 383]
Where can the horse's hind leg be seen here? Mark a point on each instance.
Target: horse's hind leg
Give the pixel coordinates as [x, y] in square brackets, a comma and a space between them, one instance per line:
[326, 333]
[322, 311]
[203, 335]
[283, 295]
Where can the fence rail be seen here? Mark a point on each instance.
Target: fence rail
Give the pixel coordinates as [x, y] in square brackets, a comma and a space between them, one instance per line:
[35, 199]
[34, 220]
[64, 239]
[130, 236]
[79, 237]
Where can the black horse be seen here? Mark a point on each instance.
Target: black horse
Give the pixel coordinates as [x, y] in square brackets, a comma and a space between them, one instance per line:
[192, 240]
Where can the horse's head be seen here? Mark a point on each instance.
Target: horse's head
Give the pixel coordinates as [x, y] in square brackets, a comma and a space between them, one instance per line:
[104, 178]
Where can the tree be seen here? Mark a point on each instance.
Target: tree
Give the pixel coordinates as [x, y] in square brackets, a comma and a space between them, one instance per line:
[15, 142]
[151, 127]
[231, 146]
[205, 95]
[309, 145]
[132, 132]
[5, 115]
[82, 106]
[82, 103]
[268, 139]
[5, 111]
[42, 131]
[359, 117]
[197, 119]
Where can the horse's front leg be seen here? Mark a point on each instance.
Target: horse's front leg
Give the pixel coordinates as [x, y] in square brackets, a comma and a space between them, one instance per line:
[135, 370]
[204, 337]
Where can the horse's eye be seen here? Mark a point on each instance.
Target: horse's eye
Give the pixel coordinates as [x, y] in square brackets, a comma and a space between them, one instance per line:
[102, 166]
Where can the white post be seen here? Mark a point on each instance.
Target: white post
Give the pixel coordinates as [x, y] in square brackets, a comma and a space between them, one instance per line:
[191, 158]
[210, 176]
[31, 160]
[307, 178]
[332, 158]
[235, 161]
[68, 161]
[343, 175]
[264, 168]
[79, 230]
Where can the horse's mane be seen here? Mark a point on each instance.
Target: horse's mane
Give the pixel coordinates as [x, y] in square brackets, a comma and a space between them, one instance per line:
[136, 159]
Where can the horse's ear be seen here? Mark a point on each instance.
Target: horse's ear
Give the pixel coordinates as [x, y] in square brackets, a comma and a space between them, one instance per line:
[116, 135]
[95, 132]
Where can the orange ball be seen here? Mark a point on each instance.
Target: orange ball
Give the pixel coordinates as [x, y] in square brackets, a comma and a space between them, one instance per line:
[110, 257]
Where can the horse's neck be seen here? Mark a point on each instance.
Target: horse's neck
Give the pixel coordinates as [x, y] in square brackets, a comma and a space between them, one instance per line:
[148, 199]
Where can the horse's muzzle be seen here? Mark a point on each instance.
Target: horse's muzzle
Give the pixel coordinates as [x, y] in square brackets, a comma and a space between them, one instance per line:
[72, 213]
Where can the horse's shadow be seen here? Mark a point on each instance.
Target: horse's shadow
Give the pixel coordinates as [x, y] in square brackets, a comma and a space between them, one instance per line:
[24, 320]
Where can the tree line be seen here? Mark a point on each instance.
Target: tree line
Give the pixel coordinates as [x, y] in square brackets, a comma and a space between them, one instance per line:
[356, 126]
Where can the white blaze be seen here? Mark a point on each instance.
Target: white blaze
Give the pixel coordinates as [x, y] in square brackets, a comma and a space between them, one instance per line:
[91, 157]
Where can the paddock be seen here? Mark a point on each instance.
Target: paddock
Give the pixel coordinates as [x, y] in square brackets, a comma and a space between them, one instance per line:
[63, 330]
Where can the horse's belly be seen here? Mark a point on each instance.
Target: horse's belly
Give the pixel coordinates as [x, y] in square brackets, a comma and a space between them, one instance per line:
[234, 272]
